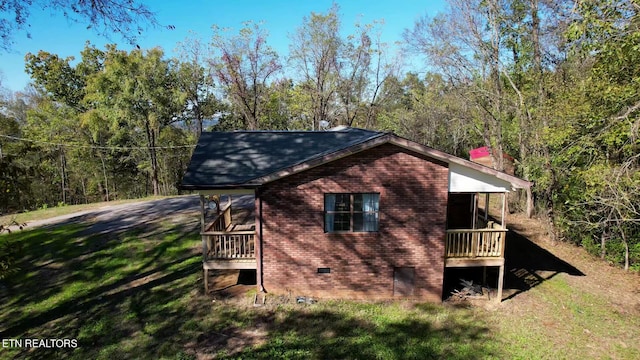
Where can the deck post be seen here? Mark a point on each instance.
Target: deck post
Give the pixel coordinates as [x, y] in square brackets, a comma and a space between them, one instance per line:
[484, 276]
[504, 208]
[500, 281]
[258, 241]
[202, 228]
[204, 246]
[202, 213]
[206, 280]
[230, 210]
[486, 207]
[474, 222]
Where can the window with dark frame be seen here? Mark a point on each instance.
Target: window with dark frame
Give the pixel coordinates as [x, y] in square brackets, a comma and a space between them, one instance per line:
[351, 212]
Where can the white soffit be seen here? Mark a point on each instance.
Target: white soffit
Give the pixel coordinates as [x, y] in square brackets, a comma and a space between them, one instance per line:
[464, 179]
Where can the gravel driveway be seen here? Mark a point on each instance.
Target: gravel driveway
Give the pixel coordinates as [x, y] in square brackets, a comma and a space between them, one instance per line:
[117, 218]
[122, 217]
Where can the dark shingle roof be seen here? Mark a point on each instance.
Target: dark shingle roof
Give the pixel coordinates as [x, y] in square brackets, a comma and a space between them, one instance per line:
[228, 159]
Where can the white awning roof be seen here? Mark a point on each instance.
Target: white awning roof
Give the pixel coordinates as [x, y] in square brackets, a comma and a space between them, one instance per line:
[465, 179]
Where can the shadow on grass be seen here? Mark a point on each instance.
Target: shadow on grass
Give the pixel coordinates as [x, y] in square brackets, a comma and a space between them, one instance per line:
[100, 297]
[137, 294]
[354, 330]
[165, 317]
[72, 285]
[53, 259]
[527, 265]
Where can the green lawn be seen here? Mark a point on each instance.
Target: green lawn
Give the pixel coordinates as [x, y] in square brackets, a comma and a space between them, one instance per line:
[138, 295]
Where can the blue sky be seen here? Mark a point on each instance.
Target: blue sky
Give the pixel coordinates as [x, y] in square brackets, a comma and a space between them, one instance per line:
[55, 34]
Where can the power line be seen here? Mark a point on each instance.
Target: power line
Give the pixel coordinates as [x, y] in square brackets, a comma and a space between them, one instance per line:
[83, 146]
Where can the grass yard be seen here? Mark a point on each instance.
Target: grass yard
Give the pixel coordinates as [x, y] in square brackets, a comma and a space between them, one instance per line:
[137, 294]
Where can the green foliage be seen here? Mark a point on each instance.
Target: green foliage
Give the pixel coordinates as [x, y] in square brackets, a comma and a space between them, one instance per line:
[598, 144]
[15, 190]
[568, 111]
[429, 112]
[196, 80]
[138, 93]
[98, 127]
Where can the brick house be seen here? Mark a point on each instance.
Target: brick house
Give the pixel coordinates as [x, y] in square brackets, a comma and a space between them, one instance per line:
[346, 213]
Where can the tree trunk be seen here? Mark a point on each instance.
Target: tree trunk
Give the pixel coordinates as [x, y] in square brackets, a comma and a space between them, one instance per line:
[626, 247]
[530, 205]
[84, 190]
[198, 115]
[154, 170]
[603, 243]
[63, 174]
[153, 157]
[104, 174]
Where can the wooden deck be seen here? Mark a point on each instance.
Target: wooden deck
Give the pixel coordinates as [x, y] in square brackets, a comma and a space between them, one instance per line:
[226, 245]
[230, 264]
[475, 247]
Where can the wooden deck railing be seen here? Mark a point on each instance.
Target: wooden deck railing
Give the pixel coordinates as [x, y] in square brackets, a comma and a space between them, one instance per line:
[220, 222]
[475, 243]
[220, 245]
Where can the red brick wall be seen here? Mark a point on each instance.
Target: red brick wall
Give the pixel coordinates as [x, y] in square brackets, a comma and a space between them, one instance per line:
[413, 204]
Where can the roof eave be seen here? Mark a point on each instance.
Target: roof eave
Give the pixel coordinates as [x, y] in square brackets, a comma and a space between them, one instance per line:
[516, 182]
[217, 187]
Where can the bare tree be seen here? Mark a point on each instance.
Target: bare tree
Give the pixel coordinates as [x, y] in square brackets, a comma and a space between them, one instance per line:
[382, 67]
[362, 68]
[343, 77]
[466, 45]
[314, 53]
[243, 65]
[124, 17]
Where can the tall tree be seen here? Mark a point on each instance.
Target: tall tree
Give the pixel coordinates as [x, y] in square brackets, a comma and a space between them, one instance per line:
[244, 65]
[429, 112]
[197, 81]
[492, 53]
[56, 77]
[65, 85]
[362, 67]
[138, 91]
[466, 45]
[313, 53]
